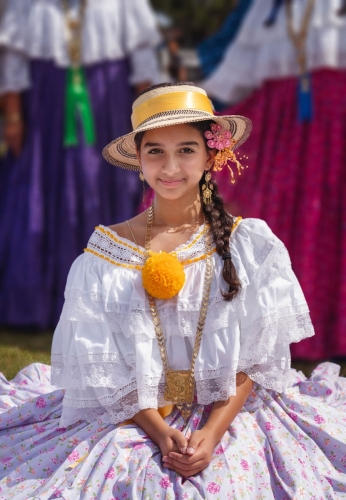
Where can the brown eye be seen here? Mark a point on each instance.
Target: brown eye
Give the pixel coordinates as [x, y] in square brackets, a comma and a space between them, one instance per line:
[155, 151]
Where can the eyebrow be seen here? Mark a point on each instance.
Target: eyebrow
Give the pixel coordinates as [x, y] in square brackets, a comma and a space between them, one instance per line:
[158, 144]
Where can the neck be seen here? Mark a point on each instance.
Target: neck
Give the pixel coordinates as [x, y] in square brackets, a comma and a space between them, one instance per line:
[176, 213]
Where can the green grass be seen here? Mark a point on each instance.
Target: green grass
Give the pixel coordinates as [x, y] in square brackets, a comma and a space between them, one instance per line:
[19, 348]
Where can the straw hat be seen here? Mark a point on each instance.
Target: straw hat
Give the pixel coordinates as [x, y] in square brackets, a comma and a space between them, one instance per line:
[165, 106]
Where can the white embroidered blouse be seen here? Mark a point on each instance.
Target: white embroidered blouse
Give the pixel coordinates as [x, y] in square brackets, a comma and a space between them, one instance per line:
[112, 30]
[105, 352]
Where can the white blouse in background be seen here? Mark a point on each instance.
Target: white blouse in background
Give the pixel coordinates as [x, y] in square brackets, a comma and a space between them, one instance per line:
[260, 53]
[112, 30]
[105, 352]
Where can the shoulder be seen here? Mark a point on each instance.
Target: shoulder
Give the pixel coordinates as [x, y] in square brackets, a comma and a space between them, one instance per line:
[116, 247]
[132, 230]
[253, 233]
[256, 231]
[253, 225]
[254, 247]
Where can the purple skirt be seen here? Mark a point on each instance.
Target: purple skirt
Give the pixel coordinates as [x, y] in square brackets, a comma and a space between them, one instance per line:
[55, 196]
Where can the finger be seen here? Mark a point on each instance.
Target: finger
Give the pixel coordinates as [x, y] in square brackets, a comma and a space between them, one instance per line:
[187, 459]
[186, 473]
[180, 440]
[182, 465]
[194, 442]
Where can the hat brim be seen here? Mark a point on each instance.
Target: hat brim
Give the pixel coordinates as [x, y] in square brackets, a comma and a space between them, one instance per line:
[122, 151]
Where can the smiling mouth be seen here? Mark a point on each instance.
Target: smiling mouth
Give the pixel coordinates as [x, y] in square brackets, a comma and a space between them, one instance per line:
[171, 182]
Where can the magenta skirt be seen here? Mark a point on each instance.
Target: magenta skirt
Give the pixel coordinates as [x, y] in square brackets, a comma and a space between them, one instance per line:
[296, 182]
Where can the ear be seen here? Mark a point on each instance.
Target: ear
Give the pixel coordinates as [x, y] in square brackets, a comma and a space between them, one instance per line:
[210, 158]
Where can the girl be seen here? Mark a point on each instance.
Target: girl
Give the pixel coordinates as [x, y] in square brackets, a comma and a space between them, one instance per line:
[173, 344]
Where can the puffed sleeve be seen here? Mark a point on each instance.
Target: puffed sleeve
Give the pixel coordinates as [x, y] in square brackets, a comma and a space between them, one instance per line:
[141, 40]
[273, 310]
[91, 357]
[139, 25]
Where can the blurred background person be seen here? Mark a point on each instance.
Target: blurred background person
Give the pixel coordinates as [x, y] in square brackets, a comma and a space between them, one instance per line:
[68, 73]
[285, 70]
[211, 50]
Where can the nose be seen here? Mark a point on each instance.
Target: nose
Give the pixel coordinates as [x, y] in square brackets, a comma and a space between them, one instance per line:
[171, 165]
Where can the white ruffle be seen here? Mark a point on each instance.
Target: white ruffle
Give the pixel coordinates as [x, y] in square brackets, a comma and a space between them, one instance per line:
[259, 53]
[105, 351]
[112, 30]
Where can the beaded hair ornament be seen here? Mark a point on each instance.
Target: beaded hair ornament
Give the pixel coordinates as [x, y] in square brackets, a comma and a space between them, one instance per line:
[221, 139]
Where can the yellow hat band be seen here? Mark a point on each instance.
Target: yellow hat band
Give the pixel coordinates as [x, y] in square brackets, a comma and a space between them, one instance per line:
[170, 102]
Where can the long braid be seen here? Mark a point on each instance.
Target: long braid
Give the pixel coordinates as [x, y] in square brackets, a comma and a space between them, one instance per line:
[221, 227]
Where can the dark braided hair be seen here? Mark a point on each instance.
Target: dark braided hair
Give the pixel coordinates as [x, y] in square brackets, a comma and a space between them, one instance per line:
[220, 221]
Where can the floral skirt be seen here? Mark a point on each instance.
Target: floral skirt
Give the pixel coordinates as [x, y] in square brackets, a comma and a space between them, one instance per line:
[280, 446]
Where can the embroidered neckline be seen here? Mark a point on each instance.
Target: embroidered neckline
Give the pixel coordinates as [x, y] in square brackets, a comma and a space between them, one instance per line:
[139, 266]
[141, 250]
[106, 244]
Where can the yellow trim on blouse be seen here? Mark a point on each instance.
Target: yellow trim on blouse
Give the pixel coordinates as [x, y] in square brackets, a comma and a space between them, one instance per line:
[136, 249]
[142, 252]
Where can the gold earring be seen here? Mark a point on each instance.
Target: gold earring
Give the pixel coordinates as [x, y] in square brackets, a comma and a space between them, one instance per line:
[207, 189]
[141, 176]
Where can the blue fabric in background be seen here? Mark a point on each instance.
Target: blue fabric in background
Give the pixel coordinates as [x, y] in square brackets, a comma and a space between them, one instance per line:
[211, 50]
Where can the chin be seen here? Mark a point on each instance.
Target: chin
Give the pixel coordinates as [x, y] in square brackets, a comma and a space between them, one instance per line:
[170, 195]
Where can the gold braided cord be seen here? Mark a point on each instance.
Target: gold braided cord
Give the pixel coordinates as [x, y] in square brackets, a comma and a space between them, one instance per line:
[74, 27]
[299, 37]
[180, 384]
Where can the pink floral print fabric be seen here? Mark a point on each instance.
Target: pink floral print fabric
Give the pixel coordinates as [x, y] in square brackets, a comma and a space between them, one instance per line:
[280, 446]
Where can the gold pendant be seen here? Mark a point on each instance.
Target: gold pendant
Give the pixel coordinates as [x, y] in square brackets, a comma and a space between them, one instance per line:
[179, 387]
[207, 189]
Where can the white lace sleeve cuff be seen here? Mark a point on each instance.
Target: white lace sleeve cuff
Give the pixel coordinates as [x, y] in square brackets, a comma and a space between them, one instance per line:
[274, 311]
[14, 71]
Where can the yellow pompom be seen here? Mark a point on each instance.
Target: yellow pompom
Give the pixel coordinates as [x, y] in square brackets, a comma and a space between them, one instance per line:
[163, 275]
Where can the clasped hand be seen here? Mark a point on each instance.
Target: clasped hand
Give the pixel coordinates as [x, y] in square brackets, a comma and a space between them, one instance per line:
[186, 457]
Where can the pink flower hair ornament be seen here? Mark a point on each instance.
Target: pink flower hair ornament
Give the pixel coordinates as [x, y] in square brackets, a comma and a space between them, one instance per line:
[221, 139]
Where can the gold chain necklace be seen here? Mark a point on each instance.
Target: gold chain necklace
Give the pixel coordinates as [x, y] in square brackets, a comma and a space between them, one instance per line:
[74, 27]
[180, 384]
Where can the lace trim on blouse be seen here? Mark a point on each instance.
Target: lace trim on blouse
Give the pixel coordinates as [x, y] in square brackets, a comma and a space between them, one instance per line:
[105, 351]
[106, 244]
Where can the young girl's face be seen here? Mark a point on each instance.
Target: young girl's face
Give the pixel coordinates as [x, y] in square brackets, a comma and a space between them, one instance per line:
[173, 160]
